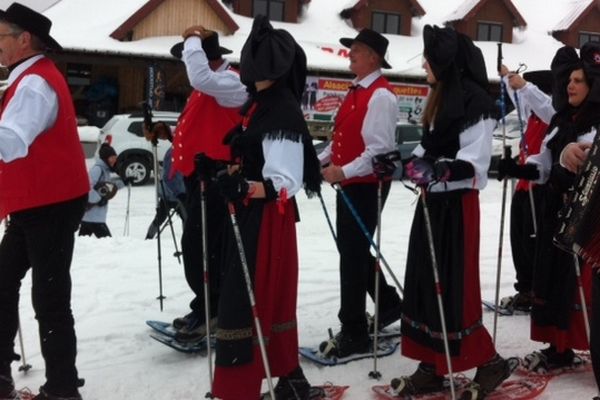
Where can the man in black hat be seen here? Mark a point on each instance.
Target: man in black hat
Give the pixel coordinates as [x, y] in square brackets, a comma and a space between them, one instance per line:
[531, 93]
[364, 127]
[212, 110]
[39, 146]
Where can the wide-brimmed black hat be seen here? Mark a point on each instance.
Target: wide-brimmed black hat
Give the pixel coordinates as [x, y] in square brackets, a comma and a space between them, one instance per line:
[210, 45]
[374, 40]
[542, 79]
[32, 22]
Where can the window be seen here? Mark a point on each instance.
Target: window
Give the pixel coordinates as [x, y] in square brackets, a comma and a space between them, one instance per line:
[585, 37]
[274, 9]
[489, 32]
[385, 22]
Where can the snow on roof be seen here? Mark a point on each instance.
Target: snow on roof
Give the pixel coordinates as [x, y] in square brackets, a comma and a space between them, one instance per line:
[462, 10]
[572, 14]
[84, 25]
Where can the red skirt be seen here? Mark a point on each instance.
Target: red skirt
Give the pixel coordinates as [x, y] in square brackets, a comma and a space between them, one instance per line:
[275, 290]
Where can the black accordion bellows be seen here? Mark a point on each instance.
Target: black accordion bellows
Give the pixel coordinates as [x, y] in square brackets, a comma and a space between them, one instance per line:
[578, 229]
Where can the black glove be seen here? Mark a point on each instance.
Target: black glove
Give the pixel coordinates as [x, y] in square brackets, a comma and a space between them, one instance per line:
[206, 167]
[456, 170]
[233, 187]
[508, 167]
[128, 180]
[387, 164]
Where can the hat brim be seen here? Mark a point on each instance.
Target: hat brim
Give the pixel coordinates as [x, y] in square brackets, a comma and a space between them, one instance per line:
[177, 50]
[347, 42]
[48, 40]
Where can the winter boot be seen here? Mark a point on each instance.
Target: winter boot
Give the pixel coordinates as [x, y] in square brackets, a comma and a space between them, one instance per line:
[519, 302]
[293, 386]
[344, 344]
[7, 389]
[386, 317]
[195, 331]
[549, 359]
[45, 395]
[180, 322]
[487, 378]
[423, 380]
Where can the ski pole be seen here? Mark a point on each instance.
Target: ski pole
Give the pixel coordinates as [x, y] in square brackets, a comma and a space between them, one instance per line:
[24, 366]
[328, 218]
[244, 262]
[526, 151]
[586, 319]
[206, 280]
[362, 226]
[504, 186]
[126, 227]
[438, 289]
[376, 374]
[170, 222]
[160, 297]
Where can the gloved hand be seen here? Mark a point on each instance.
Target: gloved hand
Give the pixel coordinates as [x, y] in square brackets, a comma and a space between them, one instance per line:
[129, 180]
[106, 190]
[233, 187]
[442, 171]
[508, 167]
[387, 164]
[420, 171]
[206, 167]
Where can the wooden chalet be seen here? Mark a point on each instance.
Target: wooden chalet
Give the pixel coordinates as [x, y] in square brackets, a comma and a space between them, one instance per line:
[384, 16]
[580, 25]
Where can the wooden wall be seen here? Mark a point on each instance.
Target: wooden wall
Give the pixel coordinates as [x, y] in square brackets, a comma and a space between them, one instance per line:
[362, 18]
[493, 11]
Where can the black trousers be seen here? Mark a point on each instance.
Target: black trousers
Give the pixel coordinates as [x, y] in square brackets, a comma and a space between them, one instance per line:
[98, 229]
[522, 240]
[191, 243]
[595, 325]
[357, 265]
[42, 239]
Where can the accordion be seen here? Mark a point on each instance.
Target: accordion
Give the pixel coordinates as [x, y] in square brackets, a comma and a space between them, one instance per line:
[578, 229]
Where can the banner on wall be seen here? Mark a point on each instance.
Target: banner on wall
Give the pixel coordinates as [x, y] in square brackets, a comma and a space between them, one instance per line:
[323, 96]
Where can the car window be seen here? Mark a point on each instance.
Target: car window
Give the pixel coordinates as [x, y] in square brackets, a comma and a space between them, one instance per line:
[136, 127]
[408, 133]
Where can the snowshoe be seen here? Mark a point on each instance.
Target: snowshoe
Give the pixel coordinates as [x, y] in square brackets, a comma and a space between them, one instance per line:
[549, 362]
[194, 331]
[519, 302]
[423, 380]
[488, 377]
[343, 345]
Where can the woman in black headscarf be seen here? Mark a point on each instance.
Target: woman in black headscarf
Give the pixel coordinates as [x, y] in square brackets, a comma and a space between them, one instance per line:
[556, 315]
[276, 159]
[451, 166]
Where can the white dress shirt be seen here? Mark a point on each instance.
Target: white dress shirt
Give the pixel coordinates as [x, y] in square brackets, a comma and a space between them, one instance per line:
[284, 164]
[378, 129]
[531, 99]
[223, 84]
[31, 111]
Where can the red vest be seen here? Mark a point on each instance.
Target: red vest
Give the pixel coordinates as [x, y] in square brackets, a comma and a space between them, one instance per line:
[54, 169]
[536, 130]
[347, 140]
[200, 129]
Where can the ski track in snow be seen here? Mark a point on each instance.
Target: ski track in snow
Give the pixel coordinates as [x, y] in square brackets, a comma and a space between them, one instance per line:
[115, 285]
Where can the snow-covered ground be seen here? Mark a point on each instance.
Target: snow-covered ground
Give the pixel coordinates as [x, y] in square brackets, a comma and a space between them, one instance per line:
[115, 285]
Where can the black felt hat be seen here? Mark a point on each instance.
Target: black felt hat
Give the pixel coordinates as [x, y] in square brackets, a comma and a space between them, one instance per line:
[564, 62]
[210, 45]
[271, 54]
[32, 22]
[542, 79]
[374, 40]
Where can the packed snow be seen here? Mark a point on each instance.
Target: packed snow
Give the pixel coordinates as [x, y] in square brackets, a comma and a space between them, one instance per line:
[115, 285]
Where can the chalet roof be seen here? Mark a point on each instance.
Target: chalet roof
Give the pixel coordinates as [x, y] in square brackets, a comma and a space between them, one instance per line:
[417, 10]
[469, 9]
[578, 10]
[121, 32]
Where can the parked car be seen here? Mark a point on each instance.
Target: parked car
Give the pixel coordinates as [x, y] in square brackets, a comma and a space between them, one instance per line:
[408, 136]
[125, 134]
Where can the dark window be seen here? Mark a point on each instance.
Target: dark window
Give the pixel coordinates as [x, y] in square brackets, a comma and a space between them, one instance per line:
[488, 32]
[274, 9]
[588, 37]
[385, 22]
